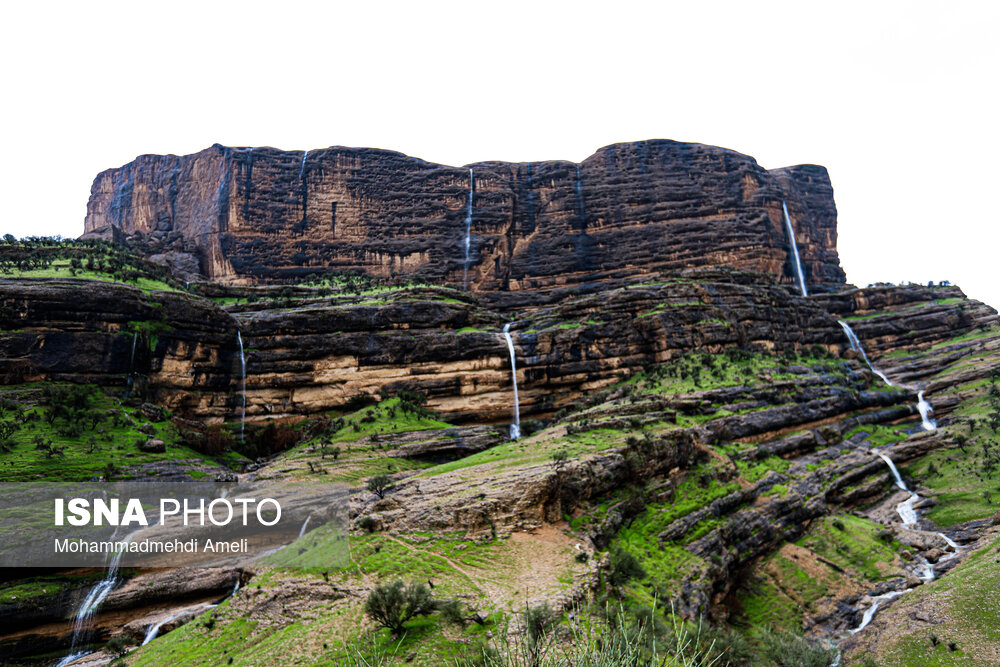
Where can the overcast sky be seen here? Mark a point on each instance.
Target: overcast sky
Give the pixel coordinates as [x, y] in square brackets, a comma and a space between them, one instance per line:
[897, 99]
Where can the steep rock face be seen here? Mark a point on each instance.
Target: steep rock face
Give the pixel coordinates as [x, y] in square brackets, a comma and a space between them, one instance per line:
[312, 354]
[255, 214]
[320, 354]
[180, 348]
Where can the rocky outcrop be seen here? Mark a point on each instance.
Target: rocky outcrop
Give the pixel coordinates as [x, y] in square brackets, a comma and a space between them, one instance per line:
[41, 627]
[306, 353]
[178, 348]
[256, 214]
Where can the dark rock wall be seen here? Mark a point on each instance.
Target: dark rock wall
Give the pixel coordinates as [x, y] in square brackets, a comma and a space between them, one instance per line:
[250, 215]
[317, 354]
[186, 356]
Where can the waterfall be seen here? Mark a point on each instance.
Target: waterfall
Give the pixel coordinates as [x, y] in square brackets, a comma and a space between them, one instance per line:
[302, 167]
[131, 366]
[795, 251]
[923, 407]
[243, 384]
[515, 428]
[468, 228]
[89, 606]
[155, 629]
[870, 612]
[856, 346]
[302, 530]
[925, 410]
[905, 508]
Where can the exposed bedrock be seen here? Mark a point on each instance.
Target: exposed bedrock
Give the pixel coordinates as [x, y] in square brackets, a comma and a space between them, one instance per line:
[41, 626]
[251, 215]
[86, 331]
[314, 353]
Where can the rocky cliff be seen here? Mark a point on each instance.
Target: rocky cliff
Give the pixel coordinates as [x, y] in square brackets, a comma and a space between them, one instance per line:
[249, 215]
[311, 353]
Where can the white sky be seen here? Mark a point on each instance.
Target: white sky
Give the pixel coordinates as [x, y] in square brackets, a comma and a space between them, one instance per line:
[897, 99]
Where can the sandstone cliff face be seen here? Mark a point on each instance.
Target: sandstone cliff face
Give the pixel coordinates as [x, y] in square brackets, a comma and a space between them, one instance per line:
[178, 347]
[313, 353]
[254, 214]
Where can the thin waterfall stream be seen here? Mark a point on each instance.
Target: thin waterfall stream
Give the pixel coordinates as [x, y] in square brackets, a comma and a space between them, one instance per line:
[906, 509]
[243, 385]
[515, 428]
[468, 228]
[302, 530]
[923, 407]
[305, 188]
[908, 515]
[795, 250]
[85, 612]
[154, 629]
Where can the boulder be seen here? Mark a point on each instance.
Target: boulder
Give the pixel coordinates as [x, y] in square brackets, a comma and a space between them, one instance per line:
[153, 446]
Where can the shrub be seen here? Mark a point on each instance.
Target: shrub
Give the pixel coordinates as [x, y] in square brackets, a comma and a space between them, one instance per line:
[537, 621]
[392, 605]
[379, 484]
[624, 567]
[118, 645]
[559, 457]
[367, 524]
[452, 612]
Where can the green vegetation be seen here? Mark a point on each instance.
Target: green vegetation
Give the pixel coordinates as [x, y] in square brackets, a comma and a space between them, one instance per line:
[878, 436]
[965, 479]
[855, 544]
[395, 415]
[93, 260]
[63, 432]
[754, 471]
[698, 371]
[967, 602]
[664, 564]
[836, 551]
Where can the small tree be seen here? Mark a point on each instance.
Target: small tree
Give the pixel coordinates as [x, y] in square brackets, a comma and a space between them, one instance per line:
[7, 431]
[559, 457]
[624, 567]
[392, 605]
[379, 484]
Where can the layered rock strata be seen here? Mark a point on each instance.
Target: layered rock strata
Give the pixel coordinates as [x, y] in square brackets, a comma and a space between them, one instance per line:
[246, 215]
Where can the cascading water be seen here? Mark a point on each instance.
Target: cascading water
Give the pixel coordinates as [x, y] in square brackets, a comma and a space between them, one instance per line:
[154, 630]
[302, 167]
[515, 428]
[905, 508]
[243, 384]
[468, 228]
[909, 517]
[925, 410]
[89, 606]
[795, 251]
[305, 524]
[856, 346]
[870, 612]
[923, 407]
